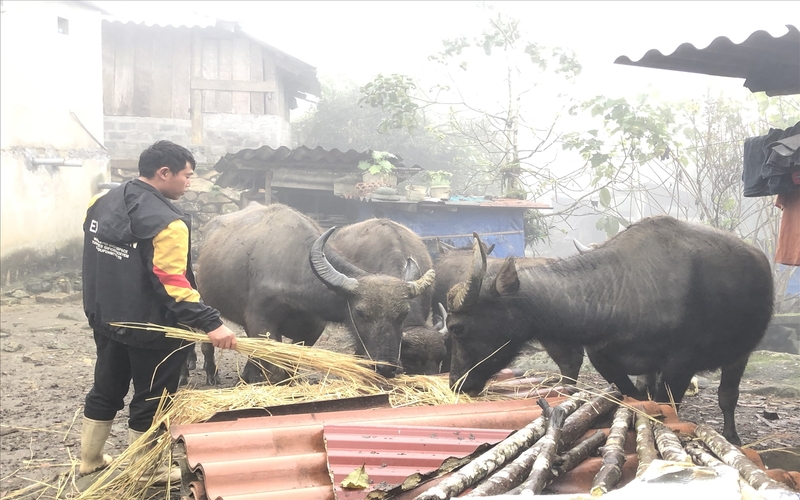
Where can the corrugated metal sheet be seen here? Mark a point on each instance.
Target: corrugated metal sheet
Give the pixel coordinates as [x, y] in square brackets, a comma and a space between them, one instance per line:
[316, 168]
[248, 458]
[767, 63]
[390, 454]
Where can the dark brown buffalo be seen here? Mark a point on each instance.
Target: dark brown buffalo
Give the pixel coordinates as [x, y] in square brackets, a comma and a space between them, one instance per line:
[453, 266]
[382, 246]
[267, 268]
[663, 296]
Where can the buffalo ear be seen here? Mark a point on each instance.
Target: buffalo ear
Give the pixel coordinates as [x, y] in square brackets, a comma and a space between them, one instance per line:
[506, 281]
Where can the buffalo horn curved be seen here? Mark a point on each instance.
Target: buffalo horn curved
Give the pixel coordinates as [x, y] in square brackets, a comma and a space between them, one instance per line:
[580, 246]
[466, 293]
[332, 278]
[417, 287]
[443, 311]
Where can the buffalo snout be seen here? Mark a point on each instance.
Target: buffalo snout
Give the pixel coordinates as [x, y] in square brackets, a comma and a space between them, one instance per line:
[389, 371]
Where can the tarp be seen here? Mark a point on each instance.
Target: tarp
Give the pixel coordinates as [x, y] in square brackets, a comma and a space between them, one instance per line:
[503, 227]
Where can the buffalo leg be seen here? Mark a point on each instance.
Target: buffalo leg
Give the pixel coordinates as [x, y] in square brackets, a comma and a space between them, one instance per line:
[209, 364]
[568, 357]
[728, 395]
[614, 374]
[672, 387]
[191, 359]
[256, 325]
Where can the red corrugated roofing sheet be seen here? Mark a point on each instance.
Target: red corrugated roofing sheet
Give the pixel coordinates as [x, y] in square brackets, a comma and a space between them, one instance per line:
[390, 454]
[284, 456]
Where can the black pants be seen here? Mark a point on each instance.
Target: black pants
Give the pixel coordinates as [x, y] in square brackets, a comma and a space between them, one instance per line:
[118, 364]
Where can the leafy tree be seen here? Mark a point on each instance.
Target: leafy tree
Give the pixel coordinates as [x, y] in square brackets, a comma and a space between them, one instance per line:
[339, 121]
[504, 136]
[682, 159]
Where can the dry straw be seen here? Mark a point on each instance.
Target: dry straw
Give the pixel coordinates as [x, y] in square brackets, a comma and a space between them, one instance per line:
[317, 375]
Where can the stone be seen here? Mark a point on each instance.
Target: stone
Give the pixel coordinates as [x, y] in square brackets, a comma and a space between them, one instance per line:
[190, 206]
[12, 346]
[48, 329]
[34, 358]
[210, 209]
[213, 197]
[18, 294]
[201, 185]
[38, 287]
[204, 217]
[4, 334]
[229, 208]
[70, 316]
[51, 298]
[190, 195]
[9, 301]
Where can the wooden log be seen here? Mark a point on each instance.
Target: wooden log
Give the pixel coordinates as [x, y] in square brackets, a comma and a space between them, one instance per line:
[501, 454]
[669, 445]
[576, 425]
[613, 453]
[645, 443]
[579, 453]
[731, 455]
[540, 472]
[700, 454]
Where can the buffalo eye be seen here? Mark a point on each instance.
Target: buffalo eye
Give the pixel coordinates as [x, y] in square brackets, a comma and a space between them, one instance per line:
[456, 329]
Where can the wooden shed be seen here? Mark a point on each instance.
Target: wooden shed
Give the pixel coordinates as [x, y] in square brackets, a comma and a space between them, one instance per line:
[198, 81]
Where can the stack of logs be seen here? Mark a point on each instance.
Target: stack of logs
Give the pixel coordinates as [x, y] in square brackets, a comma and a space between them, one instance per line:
[530, 459]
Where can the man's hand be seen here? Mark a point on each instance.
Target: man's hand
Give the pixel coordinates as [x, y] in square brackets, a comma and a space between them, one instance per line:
[223, 337]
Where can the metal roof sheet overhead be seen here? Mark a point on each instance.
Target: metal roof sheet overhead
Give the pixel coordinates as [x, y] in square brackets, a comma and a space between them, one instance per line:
[767, 63]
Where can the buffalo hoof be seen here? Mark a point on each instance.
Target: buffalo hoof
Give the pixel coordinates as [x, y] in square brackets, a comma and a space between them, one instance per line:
[213, 379]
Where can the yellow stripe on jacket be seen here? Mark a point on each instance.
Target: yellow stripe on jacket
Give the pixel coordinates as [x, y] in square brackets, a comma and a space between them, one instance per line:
[170, 250]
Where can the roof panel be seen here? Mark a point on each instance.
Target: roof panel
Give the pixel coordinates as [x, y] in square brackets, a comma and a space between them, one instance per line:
[767, 63]
[392, 453]
[216, 450]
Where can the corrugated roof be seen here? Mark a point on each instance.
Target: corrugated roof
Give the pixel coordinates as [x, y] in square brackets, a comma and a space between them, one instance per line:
[318, 166]
[767, 63]
[283, 457]
[390, 454]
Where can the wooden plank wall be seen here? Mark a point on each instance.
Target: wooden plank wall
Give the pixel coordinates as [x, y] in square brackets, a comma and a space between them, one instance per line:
[147, 71]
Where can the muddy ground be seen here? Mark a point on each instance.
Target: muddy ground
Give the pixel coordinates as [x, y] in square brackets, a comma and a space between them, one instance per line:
[47, 355]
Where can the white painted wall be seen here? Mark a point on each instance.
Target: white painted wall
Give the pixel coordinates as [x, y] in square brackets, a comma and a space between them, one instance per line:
[44, 76]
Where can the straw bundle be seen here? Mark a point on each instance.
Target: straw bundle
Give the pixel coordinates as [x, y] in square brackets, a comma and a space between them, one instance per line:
[293, 358]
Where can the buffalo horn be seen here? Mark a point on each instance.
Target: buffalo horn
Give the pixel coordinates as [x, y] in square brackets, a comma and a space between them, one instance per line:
[465, 294]
[412, 271]
[580, 246]
[332, 278]
[443, 329]
[417, 287]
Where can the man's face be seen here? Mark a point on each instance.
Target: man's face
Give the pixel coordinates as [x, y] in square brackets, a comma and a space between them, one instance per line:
[175, 185]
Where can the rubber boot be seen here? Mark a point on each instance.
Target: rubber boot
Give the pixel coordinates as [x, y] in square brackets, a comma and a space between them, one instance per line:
[162, 473]
[94, 434]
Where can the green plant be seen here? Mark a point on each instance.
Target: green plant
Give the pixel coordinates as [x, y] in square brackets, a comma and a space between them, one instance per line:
[379, 163]
[438, 177]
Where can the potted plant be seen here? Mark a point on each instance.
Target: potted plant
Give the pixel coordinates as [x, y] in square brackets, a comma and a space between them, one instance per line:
[439, 183]
[378, 169]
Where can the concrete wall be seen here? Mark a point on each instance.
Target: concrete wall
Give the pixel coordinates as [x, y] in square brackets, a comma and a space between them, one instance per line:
[45, 76]
[127, 136]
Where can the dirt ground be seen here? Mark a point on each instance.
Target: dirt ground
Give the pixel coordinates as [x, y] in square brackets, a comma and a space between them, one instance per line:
[47, 356]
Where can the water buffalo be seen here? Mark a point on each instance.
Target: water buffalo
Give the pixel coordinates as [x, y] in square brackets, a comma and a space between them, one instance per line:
[662, 297]
[382, 246]
[267, 268]
[453, 266]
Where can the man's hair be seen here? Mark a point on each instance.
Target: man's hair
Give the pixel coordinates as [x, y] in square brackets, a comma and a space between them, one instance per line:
[164, 154]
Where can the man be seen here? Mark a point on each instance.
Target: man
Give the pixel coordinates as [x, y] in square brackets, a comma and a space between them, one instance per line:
[137, 268]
